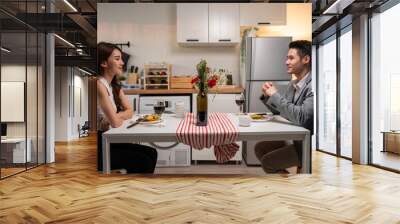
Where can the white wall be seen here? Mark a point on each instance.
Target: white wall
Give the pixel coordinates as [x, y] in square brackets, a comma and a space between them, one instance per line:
[151, 30]
[68, 82]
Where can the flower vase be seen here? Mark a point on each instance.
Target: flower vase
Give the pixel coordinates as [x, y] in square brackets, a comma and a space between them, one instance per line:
[202, 109]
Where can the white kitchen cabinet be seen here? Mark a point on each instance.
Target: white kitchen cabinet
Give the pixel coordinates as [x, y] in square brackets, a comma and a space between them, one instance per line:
[219, 103]
[257, 14]
[223, 23]
[200, 24]
[146, 105]
[216, 103]
[134, 102]
[192, 22]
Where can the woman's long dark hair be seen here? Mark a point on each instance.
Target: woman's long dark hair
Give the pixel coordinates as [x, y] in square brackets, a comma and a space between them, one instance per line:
[104, 51]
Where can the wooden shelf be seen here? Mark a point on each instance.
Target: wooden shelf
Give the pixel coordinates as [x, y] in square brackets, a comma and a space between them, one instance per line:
[158, 68]
[157, 76]
[161, 68]
[165, 84]
[220, 90]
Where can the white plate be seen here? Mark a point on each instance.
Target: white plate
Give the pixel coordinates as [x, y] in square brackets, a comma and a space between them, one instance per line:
[151, 122]
[266, 118]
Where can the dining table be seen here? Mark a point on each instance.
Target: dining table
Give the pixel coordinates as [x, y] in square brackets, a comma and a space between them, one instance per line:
[276, 129]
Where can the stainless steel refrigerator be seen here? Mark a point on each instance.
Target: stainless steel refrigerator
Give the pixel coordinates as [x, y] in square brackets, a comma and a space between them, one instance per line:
[264, 60]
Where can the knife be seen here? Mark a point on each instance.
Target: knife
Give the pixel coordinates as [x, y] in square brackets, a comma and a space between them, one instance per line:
[135, 123]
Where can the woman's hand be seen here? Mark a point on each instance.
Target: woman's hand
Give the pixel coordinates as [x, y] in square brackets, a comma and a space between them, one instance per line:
[104, 124]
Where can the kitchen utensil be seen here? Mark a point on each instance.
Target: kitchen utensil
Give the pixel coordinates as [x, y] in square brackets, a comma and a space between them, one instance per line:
[136, 122]
[132, 78]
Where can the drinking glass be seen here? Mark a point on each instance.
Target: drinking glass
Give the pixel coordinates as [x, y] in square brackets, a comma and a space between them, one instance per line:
[239, 100]
[159, 107]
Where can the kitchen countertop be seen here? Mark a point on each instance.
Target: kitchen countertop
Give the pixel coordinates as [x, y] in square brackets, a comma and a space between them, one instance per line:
[221, 89]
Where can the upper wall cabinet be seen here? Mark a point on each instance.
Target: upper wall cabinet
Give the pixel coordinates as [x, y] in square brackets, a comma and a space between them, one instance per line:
[223, 23]
[256, 14]
[202, 23]
[192, 22]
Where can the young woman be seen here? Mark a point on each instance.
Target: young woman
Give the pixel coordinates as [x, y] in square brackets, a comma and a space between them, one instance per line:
[112, 109]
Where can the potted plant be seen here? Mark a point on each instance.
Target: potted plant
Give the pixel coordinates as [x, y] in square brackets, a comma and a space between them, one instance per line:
[248, 32]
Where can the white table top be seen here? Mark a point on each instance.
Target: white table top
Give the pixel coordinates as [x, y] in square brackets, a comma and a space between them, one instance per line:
[13, 140]
[167, 129]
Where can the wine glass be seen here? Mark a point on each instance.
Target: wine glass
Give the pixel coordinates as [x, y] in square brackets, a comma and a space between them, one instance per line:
[239, 100]
[159, 107]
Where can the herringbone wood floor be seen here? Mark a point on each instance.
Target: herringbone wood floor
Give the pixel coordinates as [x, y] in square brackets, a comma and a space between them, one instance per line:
[71, 191]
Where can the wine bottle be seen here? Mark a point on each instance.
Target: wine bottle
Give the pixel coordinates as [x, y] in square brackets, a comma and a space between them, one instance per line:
[202, 108]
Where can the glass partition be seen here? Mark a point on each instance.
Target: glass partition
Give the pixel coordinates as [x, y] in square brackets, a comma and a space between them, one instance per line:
[31, 98]
[22, 64]
[13, 89]
[385, 89]
[41, 111]
[327, 96]
[346, 92]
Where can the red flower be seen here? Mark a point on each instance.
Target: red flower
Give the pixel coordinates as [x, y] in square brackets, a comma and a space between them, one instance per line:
[195, 79]
[212, 83]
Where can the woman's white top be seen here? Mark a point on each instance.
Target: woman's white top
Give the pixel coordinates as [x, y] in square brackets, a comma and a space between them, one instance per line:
[100, 112]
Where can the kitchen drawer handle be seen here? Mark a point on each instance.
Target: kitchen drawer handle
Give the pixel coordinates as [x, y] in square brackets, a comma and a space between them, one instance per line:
[134, 104]
[224, 40]
[166, 103]
[264, 23]
[163, 147]
[192, 40]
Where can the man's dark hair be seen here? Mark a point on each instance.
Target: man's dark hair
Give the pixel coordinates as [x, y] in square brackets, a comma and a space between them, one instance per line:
[303, 47]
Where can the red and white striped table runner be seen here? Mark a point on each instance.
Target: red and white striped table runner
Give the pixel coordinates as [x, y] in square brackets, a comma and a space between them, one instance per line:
[220, 132]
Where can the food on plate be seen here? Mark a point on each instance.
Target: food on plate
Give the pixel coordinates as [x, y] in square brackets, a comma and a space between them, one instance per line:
[257, 116]
[151, 117]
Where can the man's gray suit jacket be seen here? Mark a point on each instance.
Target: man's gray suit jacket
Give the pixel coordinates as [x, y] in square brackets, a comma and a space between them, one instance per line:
[300, 112]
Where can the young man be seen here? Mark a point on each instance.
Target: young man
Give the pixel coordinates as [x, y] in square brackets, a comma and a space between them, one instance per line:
[295, 103]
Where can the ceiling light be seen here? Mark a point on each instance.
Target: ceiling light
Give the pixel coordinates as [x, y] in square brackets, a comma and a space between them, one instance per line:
[337, 7]
[5, 50]
[70, 5]
[84, 71]
[65, 41]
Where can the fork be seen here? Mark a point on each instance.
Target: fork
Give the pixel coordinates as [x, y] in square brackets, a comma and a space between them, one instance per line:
[136, 122]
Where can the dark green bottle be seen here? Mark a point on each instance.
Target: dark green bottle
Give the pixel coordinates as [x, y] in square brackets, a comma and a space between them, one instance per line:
[202, 107]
